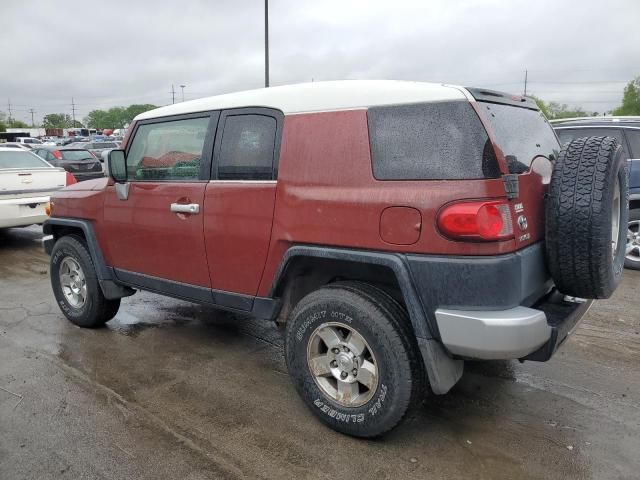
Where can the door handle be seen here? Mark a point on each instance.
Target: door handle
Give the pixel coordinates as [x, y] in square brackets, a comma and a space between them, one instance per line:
[192, 208]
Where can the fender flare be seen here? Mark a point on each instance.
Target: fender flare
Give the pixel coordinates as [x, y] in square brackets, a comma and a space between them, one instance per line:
[442, 370]
[110, 288]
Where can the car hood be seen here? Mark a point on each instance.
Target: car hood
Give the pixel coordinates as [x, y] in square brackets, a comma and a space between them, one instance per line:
[87, 185]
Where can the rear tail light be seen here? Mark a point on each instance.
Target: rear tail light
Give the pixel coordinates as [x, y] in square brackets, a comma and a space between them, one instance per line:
[483, 221]
[57, 154]
[70, 179]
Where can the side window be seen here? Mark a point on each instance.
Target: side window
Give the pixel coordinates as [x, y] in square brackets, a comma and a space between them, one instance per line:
[634, 141]
[247, 148]
[430, 141]
[168, 150]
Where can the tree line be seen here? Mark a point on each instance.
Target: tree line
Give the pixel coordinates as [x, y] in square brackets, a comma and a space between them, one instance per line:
[119, 117]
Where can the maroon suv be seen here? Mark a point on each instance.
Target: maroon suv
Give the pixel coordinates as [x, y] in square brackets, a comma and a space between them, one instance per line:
[396, 229]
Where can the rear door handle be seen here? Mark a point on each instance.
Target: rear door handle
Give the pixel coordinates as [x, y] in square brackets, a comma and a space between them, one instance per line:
[191, 208]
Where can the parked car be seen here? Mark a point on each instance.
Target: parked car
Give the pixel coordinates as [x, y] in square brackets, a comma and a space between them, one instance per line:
[627, 131]
[78, 161]
[28, 141]
[380, 222]
[26, 183]
[98, 147]
[22, 146]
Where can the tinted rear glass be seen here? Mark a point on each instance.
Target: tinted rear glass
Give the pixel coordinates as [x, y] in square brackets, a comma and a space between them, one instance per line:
[76, 155]
[522, 134]
[20, 159]
[430, 141]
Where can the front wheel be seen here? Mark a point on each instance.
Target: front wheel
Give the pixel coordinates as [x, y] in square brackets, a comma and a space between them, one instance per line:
[75, 285]
[353, 358]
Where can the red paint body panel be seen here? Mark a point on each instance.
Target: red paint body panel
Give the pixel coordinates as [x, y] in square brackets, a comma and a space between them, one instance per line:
[141, 235]
[327, 194]
[237, 228]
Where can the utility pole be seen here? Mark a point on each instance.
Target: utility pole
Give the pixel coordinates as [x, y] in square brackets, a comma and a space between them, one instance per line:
[182, 87]
[173, 94]
[32, 111]
[73, 113]
[526, 72]
[9, 105]
[266, 43]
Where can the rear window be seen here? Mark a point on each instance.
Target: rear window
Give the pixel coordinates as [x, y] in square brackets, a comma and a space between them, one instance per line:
[522, 134]
[76, 155]
[20, 159]
[430, 141]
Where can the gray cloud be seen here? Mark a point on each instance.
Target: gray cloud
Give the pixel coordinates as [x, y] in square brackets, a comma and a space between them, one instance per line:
[118, 53]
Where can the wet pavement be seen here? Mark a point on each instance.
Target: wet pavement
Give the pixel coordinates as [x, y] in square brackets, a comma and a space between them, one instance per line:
[175, 390]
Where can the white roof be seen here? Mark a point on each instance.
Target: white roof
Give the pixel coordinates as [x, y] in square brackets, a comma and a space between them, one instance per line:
[319, 96]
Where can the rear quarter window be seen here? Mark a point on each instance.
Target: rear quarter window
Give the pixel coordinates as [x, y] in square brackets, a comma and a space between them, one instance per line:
[430, 141]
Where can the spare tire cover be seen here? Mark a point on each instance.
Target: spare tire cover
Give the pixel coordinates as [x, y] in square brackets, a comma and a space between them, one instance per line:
[587, 211]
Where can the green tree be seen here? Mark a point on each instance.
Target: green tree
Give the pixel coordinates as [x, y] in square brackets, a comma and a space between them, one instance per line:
[116, 117]
[16, 124]
[630, 99]
[3, 122]
[555, 110]
[56, 120]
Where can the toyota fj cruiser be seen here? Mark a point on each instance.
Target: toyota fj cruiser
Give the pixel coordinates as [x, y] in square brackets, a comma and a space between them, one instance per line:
[396, 229]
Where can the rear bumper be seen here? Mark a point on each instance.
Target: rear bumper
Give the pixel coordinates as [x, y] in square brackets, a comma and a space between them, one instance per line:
[21, 212]
[515, 333]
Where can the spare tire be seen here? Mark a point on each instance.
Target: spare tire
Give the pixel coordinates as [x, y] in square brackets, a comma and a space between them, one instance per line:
[587, 210]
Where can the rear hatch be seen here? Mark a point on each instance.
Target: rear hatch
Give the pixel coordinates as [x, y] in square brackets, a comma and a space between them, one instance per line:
[526, 145]
[79, 161]
[25, 175]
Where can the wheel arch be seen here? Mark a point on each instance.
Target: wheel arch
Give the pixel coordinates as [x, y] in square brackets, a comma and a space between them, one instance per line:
[305, 268]
[322, 265]
[59, 227]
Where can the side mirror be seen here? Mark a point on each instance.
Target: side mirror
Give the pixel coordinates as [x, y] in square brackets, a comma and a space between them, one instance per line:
[117, 166]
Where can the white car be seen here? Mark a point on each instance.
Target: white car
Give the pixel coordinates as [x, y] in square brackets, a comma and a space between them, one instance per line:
[26, 183]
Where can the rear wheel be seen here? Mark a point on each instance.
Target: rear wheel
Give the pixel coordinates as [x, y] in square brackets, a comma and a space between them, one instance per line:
[353, 359]
[632, 258]
[76, 287]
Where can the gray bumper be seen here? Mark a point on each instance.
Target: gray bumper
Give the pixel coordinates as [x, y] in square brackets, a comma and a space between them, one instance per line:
[519, 332]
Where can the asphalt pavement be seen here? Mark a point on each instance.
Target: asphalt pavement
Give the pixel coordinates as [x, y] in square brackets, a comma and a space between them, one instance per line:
[180, 391]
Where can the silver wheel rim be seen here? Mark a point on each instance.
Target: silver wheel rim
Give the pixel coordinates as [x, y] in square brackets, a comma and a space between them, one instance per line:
[342, 364]
[73, 282]
[633, 241]
[615, 219]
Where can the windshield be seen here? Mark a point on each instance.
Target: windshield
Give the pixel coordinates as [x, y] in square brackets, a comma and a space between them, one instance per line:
[76, 155]
[522, 134]
[20, 159]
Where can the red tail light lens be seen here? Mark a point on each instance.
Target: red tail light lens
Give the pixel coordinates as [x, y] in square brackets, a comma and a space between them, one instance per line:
[71, 179]
[57, 154]
[485, 221]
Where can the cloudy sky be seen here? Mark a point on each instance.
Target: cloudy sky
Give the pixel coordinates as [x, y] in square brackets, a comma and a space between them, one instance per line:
[116, 52]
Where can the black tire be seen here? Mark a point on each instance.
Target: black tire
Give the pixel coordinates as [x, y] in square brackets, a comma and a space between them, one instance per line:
[385, 327]
[579, 217]
[96, 310]
[632, 261]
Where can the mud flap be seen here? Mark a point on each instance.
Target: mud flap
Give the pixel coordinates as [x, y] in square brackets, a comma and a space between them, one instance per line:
[442, 370]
